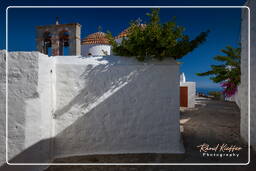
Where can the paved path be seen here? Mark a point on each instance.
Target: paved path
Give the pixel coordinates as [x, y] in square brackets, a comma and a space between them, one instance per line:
[212, 122]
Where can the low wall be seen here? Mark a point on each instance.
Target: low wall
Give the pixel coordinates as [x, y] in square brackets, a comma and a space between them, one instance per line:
[113, 105]
[243, 88]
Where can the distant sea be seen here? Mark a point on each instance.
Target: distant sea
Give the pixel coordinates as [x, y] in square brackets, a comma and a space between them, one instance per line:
[207, 90]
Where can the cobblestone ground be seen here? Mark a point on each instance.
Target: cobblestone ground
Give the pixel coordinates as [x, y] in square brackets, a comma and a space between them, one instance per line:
[211, 122]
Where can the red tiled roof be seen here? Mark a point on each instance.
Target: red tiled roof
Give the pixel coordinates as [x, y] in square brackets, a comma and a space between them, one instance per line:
[125, 32]
[95, 38]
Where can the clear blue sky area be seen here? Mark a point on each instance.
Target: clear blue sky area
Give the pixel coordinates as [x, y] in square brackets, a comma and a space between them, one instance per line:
[224, 26]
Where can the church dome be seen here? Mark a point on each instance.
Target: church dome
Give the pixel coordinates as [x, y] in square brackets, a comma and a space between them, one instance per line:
[95, 38]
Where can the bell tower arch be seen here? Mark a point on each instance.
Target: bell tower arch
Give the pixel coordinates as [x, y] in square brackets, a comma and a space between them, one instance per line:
[59, 39]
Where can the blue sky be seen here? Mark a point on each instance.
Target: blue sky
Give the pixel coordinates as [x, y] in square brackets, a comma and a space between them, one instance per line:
[224, 26]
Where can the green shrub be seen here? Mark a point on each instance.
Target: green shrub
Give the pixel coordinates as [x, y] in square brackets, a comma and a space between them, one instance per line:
[156, 40]
[228, 73]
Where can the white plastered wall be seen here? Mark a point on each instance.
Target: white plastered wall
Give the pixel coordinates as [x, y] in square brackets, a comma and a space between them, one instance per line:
[2, 106]
[95, 50]
[112, 105]
[70, 105]
[243, 88]
[29, 109]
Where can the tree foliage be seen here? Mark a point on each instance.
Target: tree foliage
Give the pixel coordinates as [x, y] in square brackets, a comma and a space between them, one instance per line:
[228, 73]
[156, 40]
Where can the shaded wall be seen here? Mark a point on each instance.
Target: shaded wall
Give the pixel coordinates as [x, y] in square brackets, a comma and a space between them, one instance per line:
[243, 89]
[2, 106]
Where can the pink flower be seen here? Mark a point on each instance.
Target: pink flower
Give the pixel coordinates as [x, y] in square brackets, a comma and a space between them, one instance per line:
[230, 88]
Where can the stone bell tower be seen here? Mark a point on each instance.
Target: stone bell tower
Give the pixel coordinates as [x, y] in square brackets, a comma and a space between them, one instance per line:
[59, 39]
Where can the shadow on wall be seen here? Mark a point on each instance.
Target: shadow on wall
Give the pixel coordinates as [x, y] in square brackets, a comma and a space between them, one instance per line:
[107, 117]
[116, 108]
[103, 104]
[100, 84]
[26, 157]
[29, 155]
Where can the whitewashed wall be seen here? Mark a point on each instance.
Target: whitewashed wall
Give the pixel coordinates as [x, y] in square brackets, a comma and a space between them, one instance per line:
[93, 105]
[191, 92]
[243, 88]
[2, 107]
[95, 50]
[29, 108]
[110, 105]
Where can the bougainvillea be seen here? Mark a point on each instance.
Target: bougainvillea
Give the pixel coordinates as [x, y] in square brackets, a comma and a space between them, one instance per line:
[229, 87]
[228, 73]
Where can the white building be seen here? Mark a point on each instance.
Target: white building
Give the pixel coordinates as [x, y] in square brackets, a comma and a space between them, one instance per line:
[187, 92]
[95, 44]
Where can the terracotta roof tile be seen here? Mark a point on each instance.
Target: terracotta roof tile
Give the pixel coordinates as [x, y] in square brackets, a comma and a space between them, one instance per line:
[95, 38]
[125, 32]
